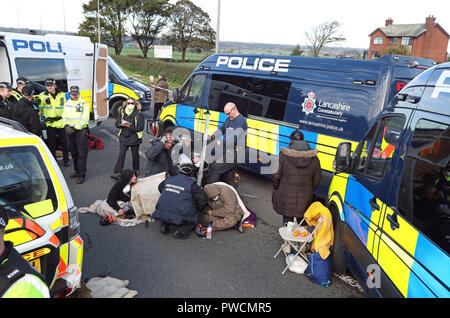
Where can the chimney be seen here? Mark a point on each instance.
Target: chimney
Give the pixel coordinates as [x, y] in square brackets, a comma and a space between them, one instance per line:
[429, 22]
[389, 21]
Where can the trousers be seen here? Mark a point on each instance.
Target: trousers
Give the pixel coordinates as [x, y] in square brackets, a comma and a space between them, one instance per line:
[121, 158]
[78, 143]
[222, 172]
[53, 136]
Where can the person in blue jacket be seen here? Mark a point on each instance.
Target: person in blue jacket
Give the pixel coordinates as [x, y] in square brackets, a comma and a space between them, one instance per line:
[181, 203]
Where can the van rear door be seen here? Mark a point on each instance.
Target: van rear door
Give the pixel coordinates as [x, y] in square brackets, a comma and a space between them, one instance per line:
[5, 69]
[100, 83]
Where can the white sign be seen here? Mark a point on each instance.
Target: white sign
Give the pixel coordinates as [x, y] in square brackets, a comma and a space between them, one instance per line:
[162, 51]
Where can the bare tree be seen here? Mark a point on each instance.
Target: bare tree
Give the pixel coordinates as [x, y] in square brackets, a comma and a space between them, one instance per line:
[147, 19]
[190, 27]
[322, 35]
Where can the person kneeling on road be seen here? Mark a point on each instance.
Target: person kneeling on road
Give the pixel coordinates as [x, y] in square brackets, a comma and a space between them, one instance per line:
[223, 211]
[121, 191]
[180, 203]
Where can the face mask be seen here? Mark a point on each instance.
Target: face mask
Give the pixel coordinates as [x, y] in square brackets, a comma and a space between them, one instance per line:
[130, 108]
[126, 189]
[215, 198]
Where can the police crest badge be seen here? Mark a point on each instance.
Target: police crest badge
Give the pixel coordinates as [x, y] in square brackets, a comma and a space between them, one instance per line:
[309, 103]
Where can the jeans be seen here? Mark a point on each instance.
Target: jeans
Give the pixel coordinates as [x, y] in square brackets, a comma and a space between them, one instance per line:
[122, 154]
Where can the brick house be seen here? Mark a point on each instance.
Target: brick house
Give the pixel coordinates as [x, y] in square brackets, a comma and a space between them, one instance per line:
[428, 40]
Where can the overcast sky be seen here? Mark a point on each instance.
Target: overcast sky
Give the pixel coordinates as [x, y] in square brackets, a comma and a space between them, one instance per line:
[265, 21]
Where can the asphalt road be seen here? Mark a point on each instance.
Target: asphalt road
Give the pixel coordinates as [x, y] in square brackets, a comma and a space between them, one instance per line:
[230, 265]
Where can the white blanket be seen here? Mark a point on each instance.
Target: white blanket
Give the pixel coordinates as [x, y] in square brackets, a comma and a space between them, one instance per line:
[144, 196]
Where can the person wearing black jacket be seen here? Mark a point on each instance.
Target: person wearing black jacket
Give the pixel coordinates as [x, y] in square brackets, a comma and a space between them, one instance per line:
[121, 191]
[159, 156]
[131, 124]
[24, 112]
[181, 203]
[7, 101]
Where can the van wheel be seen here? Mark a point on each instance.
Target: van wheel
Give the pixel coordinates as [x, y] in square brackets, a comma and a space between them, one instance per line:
[114, 111]
[163, 128]
[338, 261]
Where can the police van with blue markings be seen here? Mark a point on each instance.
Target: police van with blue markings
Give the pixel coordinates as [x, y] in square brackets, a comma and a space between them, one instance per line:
[331, 100]
[122, 86]
[70, 60]
[390, 195]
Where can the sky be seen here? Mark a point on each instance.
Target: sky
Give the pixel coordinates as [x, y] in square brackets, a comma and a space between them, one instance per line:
[262, 21]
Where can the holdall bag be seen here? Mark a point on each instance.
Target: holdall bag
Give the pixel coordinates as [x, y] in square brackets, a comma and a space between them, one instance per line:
[319, 270]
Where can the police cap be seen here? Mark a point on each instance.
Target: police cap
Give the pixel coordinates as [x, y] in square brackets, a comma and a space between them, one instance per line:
[3, 218]
[28, 90]
[74, 90]
[22, 80]
[5, 85]
[50, 81]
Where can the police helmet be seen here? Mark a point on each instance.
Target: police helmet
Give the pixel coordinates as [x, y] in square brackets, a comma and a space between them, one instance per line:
[187, 169]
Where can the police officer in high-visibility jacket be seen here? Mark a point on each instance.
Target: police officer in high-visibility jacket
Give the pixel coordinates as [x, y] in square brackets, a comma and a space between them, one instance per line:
[18, 279]
[51, 107]
[75, 119]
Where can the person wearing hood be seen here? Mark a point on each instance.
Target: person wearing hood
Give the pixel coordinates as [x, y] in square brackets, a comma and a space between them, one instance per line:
[130, 123]
[121, 191]
[223, 211]
[298, 175]
[24, 112]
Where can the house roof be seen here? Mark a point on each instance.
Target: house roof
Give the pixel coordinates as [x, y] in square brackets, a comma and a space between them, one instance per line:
[412, 30]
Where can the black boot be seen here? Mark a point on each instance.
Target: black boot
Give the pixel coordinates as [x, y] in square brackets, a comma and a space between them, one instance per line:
[81, 180]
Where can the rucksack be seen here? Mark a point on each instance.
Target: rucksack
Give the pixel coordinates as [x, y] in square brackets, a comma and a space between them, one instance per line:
[319, 270]
[95, 142]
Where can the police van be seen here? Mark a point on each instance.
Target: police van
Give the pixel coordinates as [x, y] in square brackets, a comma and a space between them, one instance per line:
[390, 195]
[70, 60]
[43, 220]
[121, 87]
[331, 100]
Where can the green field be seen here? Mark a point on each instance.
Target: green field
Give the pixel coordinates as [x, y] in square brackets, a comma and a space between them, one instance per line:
[176, 55]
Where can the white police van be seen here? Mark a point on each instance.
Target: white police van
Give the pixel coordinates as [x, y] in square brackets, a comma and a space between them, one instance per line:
[70, 60]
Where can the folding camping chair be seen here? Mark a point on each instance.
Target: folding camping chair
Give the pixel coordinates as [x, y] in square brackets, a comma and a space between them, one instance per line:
[291, 239]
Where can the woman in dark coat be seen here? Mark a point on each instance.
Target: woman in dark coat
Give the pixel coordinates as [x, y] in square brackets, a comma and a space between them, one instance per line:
[131, 124]
[121, 191]
[297, 176]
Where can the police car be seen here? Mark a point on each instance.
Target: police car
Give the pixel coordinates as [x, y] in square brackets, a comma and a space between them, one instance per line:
[390, 195]
[43, 221]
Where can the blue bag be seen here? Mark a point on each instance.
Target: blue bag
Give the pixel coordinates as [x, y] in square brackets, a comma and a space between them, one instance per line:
[319, 270]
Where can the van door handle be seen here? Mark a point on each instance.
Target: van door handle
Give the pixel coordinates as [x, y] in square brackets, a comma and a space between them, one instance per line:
[392, 218]
[373, 203]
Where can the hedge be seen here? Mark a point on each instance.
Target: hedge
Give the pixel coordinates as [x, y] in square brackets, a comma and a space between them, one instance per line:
[176, 73]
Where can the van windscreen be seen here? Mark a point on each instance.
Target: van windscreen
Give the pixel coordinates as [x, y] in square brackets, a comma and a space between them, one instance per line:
[24, 179]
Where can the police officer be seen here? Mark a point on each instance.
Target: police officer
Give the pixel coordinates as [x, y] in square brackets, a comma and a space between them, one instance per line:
[18, 279]
[181, 203]
[6, 100]
[24, 112]
[52, 106]
[75, 120]
[20, 83]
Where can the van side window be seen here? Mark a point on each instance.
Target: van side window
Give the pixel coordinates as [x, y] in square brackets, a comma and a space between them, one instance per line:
[192, 92]
[226, 88]
[375, 152]
[424, 193]
[271, 96]
[32, 68]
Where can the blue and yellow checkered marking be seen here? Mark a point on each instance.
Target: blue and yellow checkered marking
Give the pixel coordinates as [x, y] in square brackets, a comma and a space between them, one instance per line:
[261, 135]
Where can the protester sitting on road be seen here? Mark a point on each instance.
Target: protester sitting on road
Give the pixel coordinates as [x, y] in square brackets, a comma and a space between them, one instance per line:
[131, 124]
[121, 191]
[159, 156]
[297, 176]
[181, 203]
[223, 211]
